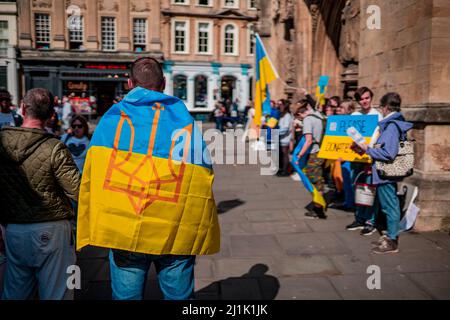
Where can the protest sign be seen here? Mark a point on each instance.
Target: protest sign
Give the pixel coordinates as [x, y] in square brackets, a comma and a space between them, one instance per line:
[336, 142]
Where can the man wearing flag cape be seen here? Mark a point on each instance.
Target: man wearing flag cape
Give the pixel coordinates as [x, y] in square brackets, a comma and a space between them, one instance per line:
[146, 191]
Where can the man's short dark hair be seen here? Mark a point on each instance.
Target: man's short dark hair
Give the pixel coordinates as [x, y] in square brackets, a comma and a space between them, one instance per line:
[4, 95]
[335, 98]
[39, 104]
[360, 92]
[147, 73]
[392, 101]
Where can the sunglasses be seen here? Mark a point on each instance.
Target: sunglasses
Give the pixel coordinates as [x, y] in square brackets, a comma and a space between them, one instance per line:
[77, 126]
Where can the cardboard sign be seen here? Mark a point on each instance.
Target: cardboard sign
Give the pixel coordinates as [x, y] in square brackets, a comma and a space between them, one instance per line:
[336, 142]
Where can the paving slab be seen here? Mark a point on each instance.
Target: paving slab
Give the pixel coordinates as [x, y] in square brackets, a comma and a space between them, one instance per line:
[266, 215]
[393, 287]
[436, 284]
[306, 265]
[306, 289]
[244, 267]
[312, 243]
[255, 246]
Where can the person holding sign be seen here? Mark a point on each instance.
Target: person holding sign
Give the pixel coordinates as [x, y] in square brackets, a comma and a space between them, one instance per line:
[393, 129]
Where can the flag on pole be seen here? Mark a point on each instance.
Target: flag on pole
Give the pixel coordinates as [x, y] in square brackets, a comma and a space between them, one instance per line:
[265, 74]
[321, 89]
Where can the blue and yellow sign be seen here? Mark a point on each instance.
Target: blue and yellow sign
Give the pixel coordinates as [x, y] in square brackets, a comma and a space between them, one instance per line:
[336, 142]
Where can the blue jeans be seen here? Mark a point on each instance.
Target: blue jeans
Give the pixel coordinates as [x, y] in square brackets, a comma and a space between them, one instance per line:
[219, 123]
[387, 200]
[349, 189]
[38, 256]
[129, 273]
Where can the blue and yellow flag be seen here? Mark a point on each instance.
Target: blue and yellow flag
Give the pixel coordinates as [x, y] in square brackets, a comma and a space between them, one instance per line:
[317, 196]
[265, 74]
[321, 89]
[147, 181]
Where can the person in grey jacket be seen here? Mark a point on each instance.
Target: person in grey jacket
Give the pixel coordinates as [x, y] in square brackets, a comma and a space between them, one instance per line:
[393, 129]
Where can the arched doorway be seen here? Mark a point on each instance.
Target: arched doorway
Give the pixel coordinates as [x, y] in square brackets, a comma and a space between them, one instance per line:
[201, 91]
[180, 87]
[228, 88]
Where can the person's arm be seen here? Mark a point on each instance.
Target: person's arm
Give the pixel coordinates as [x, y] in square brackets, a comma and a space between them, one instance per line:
[66, 171]
[388, 150]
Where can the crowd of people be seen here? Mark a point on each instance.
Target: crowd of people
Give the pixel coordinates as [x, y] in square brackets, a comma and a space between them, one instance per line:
[308, 119]
[43, 147]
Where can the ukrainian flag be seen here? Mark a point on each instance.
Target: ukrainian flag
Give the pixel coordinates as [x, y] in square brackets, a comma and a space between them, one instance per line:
[147, 181]
[265, 74]
[321, 89]
[317, 196]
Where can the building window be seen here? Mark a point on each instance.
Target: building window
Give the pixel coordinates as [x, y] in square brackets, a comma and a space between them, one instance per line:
[4, 38]
[180, 87]
[180, 1]
[42, 30]
[201, 91]
[180, 37]
[204, 3]
[251, 4]
[230, 39]
[231, 3]
[108, 34]
[140, 34]
[204, 38]
[76, 32]
[251, 39]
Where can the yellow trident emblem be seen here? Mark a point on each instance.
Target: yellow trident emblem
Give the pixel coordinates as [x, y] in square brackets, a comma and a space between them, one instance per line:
[144, 189]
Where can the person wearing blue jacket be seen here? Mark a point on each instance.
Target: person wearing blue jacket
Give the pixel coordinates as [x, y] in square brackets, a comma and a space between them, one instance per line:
[393, 129]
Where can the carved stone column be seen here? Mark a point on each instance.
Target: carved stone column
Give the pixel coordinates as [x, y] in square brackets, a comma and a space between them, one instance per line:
[155, 26]
[24, 24]
[92, 27]
[59, 24]
[124, 25]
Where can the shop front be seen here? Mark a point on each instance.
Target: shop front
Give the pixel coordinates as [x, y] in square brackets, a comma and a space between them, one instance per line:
[91, 87]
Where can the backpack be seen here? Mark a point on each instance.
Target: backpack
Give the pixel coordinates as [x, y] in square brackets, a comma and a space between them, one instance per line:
[403, 164]
[324, 126]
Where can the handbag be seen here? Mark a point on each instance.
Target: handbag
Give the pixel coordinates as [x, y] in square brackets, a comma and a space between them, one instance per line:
[403, 164]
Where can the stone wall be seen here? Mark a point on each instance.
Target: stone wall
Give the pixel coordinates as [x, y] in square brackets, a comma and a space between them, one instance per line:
[410, 54]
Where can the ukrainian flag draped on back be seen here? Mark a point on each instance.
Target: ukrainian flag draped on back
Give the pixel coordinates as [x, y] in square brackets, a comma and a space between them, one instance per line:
[147, 181]
[265, 74]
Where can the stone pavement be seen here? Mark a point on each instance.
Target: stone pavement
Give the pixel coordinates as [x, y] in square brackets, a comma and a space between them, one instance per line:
[270, 250]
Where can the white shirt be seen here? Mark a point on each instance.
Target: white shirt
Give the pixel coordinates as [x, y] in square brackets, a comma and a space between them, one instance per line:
[372, 111]
[6, 119]
[78, 148]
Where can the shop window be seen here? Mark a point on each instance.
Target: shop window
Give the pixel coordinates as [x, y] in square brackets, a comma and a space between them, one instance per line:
[140, 34]
[42, 23]
[180, 87]
[108, 34]
[76, 32]
[201, 91]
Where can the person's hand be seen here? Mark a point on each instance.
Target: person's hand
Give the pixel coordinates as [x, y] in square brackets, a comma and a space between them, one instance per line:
[303, 91]
[358, 148]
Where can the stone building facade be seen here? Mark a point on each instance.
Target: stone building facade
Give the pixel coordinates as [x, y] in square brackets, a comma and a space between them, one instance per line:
[408, 52]
[8, 45]
[208, 47]
[85, 47]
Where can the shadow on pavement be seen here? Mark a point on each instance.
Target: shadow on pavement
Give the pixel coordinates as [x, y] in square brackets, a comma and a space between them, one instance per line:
[228, 205]
[254, 285]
